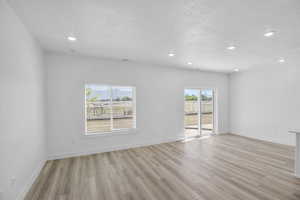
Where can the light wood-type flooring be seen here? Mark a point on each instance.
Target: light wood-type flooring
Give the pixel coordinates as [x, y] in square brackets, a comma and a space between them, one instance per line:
[224, 167]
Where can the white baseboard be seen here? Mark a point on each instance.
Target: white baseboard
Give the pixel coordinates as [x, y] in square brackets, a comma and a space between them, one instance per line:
[31, 180]
[114, 148]
[265, 139]
[222, 133]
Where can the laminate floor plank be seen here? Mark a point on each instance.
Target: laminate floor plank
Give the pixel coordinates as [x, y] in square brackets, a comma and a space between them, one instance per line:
[223, 167]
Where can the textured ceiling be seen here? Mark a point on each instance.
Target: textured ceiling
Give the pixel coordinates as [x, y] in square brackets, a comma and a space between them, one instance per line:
[197, 31]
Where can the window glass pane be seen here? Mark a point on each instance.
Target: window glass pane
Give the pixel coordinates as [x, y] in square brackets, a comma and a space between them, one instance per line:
[122, 107]
[191, 112]
[98, 109]
[207, 107]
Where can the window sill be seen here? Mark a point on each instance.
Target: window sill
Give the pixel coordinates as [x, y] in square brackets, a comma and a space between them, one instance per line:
[111, 133]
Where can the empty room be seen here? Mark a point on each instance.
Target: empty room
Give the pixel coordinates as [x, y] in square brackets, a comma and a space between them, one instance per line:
[150, 100]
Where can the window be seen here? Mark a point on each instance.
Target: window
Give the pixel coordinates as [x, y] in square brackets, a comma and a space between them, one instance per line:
[109, 108]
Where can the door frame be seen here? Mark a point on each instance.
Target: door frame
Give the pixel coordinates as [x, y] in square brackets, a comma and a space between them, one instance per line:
[215, 109]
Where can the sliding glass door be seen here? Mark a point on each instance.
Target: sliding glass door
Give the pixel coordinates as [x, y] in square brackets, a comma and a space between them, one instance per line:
[198, 112]
[207, 111]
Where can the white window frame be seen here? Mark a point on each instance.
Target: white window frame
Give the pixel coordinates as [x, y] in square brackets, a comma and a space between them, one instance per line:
[113, 131]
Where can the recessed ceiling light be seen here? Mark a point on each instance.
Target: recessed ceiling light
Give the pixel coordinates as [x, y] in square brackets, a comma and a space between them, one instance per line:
[171, 54]
[281, 60]
[269, 34]
[189, 63]
[231, 48]
[236, 69]
[72, 38]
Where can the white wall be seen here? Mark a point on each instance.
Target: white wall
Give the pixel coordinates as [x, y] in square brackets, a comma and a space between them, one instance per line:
[294, 97]
[265, 103]
[159, 102]
[22, 138]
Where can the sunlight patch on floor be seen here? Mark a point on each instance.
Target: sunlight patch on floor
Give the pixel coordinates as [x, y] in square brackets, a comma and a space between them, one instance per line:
[196, 138]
